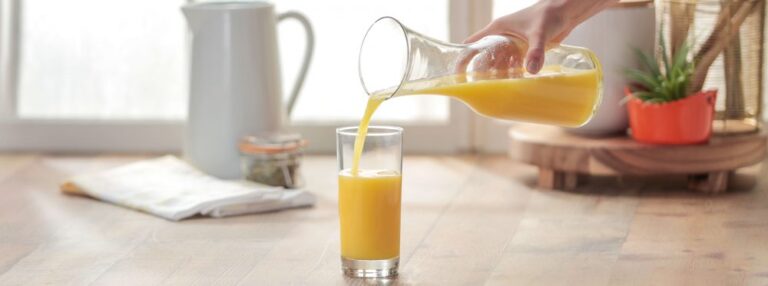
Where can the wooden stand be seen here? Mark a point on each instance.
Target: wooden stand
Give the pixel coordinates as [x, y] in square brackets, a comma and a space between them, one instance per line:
[562, 156]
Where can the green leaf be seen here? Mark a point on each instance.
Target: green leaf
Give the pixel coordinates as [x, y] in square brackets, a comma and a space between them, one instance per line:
[650, 63]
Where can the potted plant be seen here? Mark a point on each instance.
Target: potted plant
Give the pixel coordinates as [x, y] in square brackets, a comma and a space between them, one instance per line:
[662, 107]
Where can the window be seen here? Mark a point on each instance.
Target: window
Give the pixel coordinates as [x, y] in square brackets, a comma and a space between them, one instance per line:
[101, 59]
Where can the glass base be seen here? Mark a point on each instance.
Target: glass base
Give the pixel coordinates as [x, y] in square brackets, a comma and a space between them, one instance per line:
[370, 268]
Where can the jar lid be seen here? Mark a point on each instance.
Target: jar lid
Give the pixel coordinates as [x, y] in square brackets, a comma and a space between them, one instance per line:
[272, 144]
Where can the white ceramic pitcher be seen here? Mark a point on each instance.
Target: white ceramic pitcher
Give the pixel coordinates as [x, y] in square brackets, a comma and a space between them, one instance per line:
[613, 34]
[235, 85]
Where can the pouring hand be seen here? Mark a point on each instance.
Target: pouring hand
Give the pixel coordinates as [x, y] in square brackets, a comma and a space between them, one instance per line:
[493, 54]
[541, 25]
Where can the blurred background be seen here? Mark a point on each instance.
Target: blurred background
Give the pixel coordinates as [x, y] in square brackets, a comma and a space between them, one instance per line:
[112, 76]
[109, 75]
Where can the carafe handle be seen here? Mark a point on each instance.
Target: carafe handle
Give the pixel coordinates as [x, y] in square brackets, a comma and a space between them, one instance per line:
[307, 54]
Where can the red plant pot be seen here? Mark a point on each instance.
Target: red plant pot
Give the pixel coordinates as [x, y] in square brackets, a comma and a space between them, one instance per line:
[684, 121]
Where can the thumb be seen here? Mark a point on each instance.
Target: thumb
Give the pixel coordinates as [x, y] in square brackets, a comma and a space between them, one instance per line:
[535, 57]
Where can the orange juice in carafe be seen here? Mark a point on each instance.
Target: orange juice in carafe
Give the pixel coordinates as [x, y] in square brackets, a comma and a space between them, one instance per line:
[551, 97]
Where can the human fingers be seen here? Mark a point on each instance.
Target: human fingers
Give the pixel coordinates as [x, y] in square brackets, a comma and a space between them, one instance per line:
[483, 63]
[516, 65]
[509, 57]
[470, 55]
[464, 59]
[500, 59]
[535, 56]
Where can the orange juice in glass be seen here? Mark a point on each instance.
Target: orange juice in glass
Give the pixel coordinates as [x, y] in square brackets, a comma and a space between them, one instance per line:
[369, 201]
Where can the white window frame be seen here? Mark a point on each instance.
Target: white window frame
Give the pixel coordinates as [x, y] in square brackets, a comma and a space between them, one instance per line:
[464, 131]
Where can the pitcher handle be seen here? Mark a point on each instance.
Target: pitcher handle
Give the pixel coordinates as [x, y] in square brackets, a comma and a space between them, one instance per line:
[307, 54]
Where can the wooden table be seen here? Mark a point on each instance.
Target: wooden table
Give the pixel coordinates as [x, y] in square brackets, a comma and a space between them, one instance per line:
[466, 221]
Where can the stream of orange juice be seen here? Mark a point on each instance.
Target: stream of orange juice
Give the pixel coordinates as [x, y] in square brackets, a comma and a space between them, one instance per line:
[362, 130]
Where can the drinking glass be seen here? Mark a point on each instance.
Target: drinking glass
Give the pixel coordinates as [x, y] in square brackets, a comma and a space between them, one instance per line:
[369, 201]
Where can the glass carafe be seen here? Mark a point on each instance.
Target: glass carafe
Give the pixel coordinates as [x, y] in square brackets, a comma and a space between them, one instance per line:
[489, 75]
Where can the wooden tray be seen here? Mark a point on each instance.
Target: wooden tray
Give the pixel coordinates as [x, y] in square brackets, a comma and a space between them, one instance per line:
[562, 156]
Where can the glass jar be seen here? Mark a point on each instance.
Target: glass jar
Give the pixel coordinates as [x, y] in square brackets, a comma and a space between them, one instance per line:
[273, 160]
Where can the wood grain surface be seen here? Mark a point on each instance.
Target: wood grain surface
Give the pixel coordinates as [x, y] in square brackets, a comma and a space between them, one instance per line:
[552, 148]
[468, 220]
